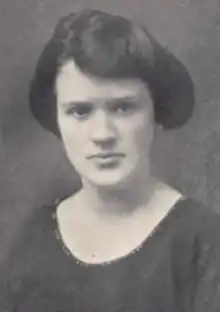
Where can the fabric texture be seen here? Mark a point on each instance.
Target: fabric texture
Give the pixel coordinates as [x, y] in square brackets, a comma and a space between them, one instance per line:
[176, 269]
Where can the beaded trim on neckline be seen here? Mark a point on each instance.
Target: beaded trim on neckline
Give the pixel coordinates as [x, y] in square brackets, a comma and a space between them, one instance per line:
[127, 256]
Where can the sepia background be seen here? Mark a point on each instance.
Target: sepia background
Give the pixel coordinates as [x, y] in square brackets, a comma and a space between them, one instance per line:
[34, 170]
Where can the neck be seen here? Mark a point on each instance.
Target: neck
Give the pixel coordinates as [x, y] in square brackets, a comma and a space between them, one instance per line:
[118, 201]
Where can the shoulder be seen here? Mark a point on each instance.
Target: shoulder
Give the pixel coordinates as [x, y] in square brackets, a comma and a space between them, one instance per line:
[26, 255]
[205, 225]
[206, 260]
[208, 238]
[201, 218]
[204, 220]
[196, 251]
[196, 230]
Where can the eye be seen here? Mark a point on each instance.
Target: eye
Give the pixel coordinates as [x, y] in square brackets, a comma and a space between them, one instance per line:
[80, 111]
[123, 107]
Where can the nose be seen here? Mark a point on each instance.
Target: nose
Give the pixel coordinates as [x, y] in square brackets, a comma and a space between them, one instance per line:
[103, 132]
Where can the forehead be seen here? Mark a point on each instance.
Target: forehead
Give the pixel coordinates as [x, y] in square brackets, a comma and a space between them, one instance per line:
[72, 84]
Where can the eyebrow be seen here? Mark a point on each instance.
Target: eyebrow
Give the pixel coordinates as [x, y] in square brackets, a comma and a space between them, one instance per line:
[70, 104]
[110, 102]
[126, 98]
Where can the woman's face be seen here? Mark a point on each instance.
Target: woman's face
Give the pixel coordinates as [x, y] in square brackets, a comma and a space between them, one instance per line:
[106, 125]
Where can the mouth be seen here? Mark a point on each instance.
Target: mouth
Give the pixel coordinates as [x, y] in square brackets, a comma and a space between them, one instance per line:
[106, 156]
[107, 160]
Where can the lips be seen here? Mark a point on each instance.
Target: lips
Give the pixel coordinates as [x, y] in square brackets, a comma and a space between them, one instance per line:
[107, 161]
[107, 156]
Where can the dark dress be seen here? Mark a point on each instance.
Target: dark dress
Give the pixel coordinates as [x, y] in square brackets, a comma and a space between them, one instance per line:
[177, 269]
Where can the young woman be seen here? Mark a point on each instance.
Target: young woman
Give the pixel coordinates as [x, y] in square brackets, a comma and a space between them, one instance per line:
[125, 241]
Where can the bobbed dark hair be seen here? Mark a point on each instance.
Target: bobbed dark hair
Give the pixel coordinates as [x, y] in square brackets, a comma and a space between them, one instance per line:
[110, 46]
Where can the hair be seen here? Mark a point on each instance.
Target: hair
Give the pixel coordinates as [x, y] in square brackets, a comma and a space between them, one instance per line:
[106, 46]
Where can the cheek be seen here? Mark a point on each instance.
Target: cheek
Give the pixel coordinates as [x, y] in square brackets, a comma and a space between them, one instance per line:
[72, 135]
[65, 123]
[140, 131]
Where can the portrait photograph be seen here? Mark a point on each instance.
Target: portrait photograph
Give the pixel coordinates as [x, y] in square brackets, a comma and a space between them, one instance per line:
[110, 154]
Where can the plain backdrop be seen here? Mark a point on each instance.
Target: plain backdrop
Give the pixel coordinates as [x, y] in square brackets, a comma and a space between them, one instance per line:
[34, 169]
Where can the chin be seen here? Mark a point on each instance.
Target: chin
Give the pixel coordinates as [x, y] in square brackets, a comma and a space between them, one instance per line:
[108, 182]
[111, 180]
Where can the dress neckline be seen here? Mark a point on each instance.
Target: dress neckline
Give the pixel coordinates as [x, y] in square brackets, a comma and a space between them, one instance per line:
[162, 225]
